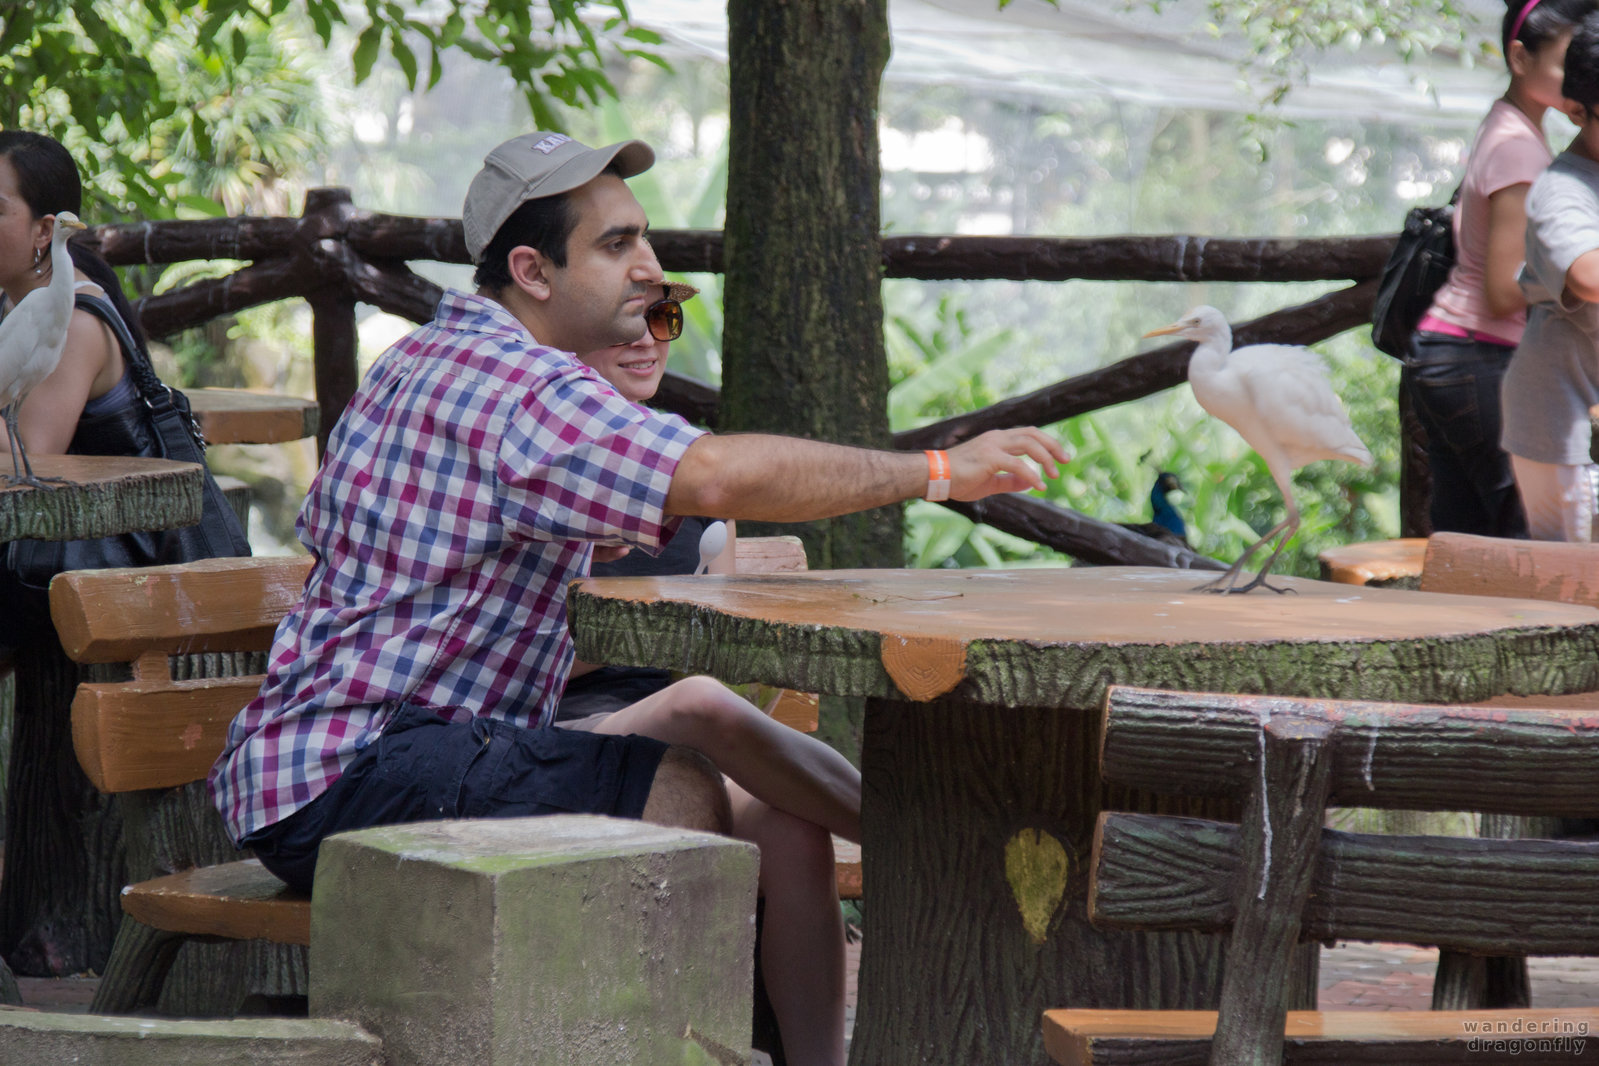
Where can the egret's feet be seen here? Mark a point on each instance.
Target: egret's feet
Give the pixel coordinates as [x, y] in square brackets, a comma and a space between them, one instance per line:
[1260, 582]
[34, 481]
[1221, 586]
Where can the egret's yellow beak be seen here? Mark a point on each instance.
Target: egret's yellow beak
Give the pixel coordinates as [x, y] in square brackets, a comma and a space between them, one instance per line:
[72, 223]
[1165, 331]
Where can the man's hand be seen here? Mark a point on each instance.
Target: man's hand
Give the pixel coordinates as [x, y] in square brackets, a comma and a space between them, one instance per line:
[609, 553]
[1001, 460]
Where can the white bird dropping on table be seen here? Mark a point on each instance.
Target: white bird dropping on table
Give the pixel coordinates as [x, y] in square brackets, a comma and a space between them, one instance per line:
[712, 543]
[1278, 398]
[31, 338]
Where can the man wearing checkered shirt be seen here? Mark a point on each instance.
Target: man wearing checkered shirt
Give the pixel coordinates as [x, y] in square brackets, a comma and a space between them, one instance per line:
[467, 482]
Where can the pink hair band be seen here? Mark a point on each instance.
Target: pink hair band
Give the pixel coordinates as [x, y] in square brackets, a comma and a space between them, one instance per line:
[1515, 27]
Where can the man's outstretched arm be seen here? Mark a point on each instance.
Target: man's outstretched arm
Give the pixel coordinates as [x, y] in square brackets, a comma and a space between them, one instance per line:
[786, 479]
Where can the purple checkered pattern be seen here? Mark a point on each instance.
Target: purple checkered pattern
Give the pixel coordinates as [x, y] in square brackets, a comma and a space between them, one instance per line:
[463, 488]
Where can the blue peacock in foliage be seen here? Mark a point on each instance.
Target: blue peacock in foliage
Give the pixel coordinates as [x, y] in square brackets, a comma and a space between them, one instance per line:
[1168, 525]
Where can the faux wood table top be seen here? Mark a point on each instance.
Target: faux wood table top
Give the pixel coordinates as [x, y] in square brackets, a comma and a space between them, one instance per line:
[105, 495]
[1061, 634]
[239, 416]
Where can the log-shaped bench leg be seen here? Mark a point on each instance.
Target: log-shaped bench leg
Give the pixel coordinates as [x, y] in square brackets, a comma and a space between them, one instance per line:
[1469, 982]
[137, 969]
[1472, 982]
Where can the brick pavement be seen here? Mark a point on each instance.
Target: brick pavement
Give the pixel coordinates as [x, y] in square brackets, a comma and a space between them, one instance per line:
[1354, 976]
[1357, 976]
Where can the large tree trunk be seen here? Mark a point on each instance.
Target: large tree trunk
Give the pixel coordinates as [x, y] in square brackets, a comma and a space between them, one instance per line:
[803, 342]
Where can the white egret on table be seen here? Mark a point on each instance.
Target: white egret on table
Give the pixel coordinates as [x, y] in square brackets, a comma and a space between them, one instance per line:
[1278, 398]
[32, 335]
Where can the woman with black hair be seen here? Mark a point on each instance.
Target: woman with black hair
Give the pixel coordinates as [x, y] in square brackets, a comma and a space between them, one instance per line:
[1462, 347]
[92, 403]
[38, 180]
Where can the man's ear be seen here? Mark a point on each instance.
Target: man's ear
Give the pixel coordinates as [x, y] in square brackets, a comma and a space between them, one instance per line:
[529, 271]
[1577, 113]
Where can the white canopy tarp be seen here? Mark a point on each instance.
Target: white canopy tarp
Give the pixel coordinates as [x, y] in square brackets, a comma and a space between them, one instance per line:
[1169, 58]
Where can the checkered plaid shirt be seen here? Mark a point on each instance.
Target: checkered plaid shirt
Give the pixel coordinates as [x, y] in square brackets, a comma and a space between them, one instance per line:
[463, 488]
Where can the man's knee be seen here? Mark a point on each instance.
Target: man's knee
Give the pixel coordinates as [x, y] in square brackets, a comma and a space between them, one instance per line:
[703, 708]
[688, 792]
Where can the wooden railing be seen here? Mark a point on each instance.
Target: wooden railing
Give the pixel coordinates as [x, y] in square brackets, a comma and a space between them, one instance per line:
[337, 255]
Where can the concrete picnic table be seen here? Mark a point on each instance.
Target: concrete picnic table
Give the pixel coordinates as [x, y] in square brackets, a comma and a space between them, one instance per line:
[984, 693]
[58, 896]
[243, 416]
[104, 495]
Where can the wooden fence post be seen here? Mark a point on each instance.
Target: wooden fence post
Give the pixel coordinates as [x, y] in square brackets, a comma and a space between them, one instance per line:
[334, 337]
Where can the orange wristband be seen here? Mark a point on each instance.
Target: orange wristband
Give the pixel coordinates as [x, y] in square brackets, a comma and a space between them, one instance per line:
[937, 477]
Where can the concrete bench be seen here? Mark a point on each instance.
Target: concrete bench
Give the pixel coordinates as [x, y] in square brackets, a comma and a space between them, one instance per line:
[1277, 879]
[1470, 565]
[156, 732]
[1385, 563]
[39, 1037]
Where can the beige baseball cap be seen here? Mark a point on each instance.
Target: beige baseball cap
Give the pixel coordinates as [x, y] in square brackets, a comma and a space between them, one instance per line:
[532, 166]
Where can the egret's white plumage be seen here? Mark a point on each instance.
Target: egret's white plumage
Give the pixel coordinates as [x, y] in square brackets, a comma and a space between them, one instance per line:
[32, 335]
[1278, 398]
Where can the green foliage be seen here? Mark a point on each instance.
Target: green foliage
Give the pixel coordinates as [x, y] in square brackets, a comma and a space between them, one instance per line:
[942, 370]
[245, 121]
[1280, 34]
[104, 78]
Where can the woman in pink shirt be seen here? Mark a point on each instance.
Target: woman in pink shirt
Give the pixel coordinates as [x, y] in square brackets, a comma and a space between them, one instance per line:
[1463, 345]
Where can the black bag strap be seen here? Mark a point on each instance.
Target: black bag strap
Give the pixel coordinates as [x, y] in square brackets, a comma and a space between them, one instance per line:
[160, 398]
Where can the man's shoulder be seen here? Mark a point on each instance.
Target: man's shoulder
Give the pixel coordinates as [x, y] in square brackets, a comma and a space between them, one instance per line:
[1569, 171]
[471, 334]
[1570, 184]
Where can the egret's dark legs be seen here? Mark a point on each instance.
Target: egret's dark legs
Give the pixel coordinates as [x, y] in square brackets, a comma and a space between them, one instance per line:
[24, 476]
[1292, 524]
[11, 443]
[1227, 582]
[1284, 530]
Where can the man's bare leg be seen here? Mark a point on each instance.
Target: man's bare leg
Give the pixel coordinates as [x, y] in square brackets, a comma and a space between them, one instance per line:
[802, 935]
[785, 768]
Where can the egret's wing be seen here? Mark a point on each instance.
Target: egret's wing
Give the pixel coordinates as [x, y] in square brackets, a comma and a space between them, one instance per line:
[1294, 399]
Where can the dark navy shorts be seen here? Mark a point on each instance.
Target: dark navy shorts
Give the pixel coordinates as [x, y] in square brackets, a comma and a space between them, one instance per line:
[424, 768]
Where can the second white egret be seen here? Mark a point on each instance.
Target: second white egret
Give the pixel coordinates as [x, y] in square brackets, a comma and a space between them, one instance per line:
[1278, 398]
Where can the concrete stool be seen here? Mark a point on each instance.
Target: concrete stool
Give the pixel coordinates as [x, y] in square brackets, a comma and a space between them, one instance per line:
[98, 1040]
[237, 493]
[569, 939]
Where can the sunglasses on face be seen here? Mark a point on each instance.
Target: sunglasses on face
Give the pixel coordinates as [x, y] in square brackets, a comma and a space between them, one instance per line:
[665, 320]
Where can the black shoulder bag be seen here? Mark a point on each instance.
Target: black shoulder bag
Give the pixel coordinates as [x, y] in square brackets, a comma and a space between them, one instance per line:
[1416, 269]
[160, 426]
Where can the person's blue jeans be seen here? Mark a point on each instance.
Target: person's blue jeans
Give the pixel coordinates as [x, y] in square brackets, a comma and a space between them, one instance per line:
[1453, 385]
